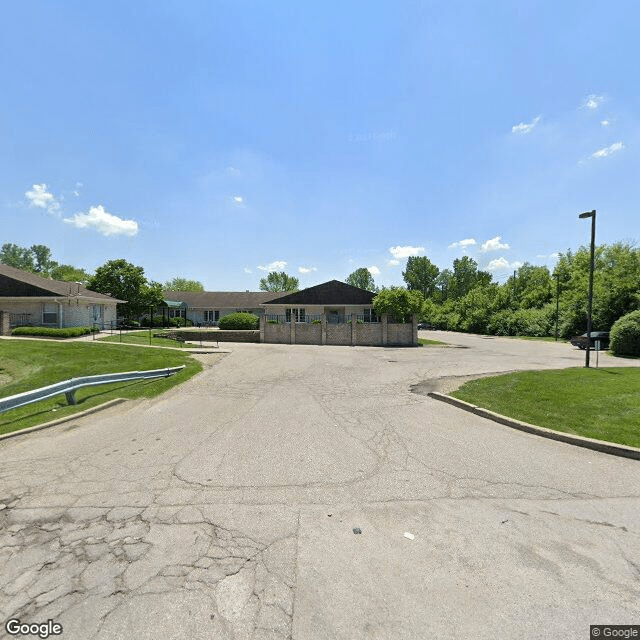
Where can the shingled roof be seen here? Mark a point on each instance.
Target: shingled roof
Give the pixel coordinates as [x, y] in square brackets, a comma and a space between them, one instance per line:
[333, 292]
[16, 283]
[221, 299]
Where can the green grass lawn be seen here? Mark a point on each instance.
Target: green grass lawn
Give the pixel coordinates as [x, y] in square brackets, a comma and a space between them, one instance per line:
[142, 337]
[26, 365]
[423, 341]
[596, 403]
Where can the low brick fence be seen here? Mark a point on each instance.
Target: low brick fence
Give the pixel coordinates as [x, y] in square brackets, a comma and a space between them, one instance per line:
[5, 329]
[351, 333]
[217, 335]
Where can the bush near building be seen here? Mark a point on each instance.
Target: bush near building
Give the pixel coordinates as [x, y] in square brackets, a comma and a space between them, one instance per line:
[69, 332]
[236, 321]
[625, 335]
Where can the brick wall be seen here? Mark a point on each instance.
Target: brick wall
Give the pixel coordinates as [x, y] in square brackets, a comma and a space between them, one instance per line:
[338, 334]
[217, 335]
[399, 334]
[4, 323]
[369, 334]
[348, 333]
[308, 333]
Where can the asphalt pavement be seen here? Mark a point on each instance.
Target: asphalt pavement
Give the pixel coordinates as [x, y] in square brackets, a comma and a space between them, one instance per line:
[315, 492]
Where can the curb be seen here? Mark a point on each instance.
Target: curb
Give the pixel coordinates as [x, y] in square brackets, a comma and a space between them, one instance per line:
[53, 423]
[588, 443]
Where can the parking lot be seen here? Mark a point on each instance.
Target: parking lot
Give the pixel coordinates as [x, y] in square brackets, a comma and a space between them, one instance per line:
[310, 492]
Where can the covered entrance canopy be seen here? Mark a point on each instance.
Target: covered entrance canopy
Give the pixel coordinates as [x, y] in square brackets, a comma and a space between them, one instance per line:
[173, 309]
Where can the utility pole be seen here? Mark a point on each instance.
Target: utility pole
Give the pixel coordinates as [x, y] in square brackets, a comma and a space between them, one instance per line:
[557, 301]
[592, 215]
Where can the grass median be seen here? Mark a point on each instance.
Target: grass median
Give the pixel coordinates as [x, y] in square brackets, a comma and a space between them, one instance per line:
[142, 338]
[425, 342]
[26, 365]
[596, 403]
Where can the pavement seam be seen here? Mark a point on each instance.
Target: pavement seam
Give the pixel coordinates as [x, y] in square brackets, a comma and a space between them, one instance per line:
[580, 441]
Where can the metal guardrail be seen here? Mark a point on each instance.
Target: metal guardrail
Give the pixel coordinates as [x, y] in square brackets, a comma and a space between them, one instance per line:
[69, 387]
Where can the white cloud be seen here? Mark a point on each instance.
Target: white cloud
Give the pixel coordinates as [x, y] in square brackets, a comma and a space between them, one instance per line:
[605, 123]
[593, 101]
[500, 264]
[276, 265]
[374, 271]
[306, 269]
[524, 128]
[393, 262]
[76, 193]
[232, 171]
[494, 244]
[552, 256]
[467, 242]
[39, 197]
[238, 199]
[607, 151]
[103, 222]
[247, 270]
[405, 252]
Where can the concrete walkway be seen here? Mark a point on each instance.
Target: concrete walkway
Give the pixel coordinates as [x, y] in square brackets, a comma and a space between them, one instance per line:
[306, 492]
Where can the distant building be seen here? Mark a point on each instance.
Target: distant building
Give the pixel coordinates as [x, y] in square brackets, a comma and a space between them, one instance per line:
[207, 307]
[31, 300]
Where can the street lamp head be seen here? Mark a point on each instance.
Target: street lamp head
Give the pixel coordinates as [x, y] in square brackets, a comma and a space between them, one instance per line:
[587, 214]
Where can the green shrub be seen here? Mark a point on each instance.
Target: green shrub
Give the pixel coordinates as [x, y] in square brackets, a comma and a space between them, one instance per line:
[158, 322]
[522, 322]
[272, 322]
[69, 332]
[625, 335]
[239, 321]
[316, 321]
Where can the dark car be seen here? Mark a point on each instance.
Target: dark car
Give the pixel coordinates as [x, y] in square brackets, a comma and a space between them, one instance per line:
[424, 325]
[581, 341]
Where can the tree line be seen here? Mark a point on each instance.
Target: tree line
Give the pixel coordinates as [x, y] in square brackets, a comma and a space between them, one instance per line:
[533, 301]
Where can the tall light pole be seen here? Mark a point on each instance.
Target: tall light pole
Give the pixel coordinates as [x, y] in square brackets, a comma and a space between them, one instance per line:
[592, 215]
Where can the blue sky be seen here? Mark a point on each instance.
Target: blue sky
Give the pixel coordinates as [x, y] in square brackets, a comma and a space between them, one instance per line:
[217, 140]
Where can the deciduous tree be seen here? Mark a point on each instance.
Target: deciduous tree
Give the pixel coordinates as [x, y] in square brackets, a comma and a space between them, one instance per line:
[421, 275]
[398, 302]
[279, 281]
[362, 279]
[183, 284]
[125, 281]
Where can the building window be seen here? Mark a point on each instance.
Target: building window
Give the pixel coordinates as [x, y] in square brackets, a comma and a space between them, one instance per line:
[176, 313]
[211, 316]
[50, 313]
[298, 314]
[370, 316]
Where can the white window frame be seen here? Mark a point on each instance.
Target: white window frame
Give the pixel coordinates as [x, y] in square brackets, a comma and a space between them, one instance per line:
[295, 312]
[46, 311]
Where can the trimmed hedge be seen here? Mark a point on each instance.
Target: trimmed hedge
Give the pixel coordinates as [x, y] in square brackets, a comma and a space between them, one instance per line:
[236, 321]
[625, 335]
[69, 332]
[172, 322]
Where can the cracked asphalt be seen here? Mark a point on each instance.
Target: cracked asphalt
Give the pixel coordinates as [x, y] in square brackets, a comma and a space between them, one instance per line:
[227, 507]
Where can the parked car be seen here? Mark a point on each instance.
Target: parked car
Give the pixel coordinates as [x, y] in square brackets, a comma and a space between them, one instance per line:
[581, 341]
[424, 325]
